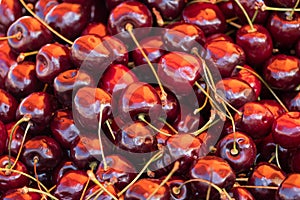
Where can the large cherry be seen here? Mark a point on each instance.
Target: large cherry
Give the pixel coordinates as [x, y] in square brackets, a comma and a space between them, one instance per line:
[10, 11]
[289, 188]
[8, 107]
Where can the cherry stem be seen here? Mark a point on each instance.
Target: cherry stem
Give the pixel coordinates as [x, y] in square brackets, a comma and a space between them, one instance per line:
[92, 166]
[100, 139]
[264, 7]
[35, 161]
[175, 168]
[246, 15]
[45, 24]
[107, 122]
[238, 26]
[97, 193]
[254, 15]
[26, 190]
[208, 124]
[25, 118]
[204, 104]
[158, 16]
[290, 17]
[17, 36]
[142, 118]
[267, 86]
[92, 177]
[129, 28]
[272, 158]
[168, 125]
[156, 156]
[242, 179]
[256, 187]
[22, 56]
[277, 155]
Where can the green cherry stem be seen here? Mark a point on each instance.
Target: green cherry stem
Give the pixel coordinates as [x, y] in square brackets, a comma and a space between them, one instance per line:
[142, 118]
[246, 15]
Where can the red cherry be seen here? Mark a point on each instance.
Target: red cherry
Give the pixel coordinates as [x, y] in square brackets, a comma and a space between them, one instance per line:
[289, 188]
[8, 107]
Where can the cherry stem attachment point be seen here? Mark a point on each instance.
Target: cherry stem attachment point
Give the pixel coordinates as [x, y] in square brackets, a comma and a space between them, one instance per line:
[17, 36]
[22, 56]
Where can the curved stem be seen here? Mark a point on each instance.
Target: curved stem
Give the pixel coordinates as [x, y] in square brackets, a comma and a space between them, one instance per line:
[204, 104]
[17, 36]
[25, 190]
[246, 15]
[100, 139]
[22, 56]
[35, 161]
[142, 118]
[277, 155]
[168, 125]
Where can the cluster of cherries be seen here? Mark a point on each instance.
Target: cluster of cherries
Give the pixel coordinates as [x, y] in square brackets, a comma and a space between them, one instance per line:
[140, 100]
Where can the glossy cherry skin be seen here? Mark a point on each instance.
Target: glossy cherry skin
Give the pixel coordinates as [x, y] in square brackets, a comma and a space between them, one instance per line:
[98, 29]
[46, 149]
[225, 56]
[265, 174]
[103, 196]
[282, 72]
[205, 15]
[246, 151]
[14, 194]
[73, 26]
[13, 180]
[241, 194]
[71, 185]
[21, 80]
[169, 10]
[257, 44]
[6, 62]
[39, 106]
[292, 101]
[219, 36]
[285, 32]
[68, 82]
[51, 60]
[137, 137]
[181, 75]
[235, 91]
[286, 130]
[256, 120]
[227, 9]
[8, 107]
[17, 138]
[214, 169]
[130, 12]
[61, 169]
[34, 35]
[120, 171]
[182, 36]
[42, 7]
[176, 181]
[86, 107]
[144, 187]
[275, 108]
[3, 136]
[10, 11]
[63, 128]
[289, 188]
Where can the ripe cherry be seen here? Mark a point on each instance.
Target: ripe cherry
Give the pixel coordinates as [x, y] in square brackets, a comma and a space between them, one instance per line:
[289, 188]
[10, 11]
[13, 194]
[6, 62]
[98, 29]
[169, 10]
[61, 169]
[42, 7]
[8, 107]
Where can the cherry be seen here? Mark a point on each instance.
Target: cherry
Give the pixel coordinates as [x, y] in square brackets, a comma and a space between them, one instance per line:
[213, 169]
[218, 36]
[30, 34]
[6, 62]
[183, 37]
[144, 187]
[169, 10]
[282, 72]
[205, 15]
[73, 26]
[12, 180]
[292, 101]
[120, 172]
[8, 107]
[68, 82]
[256, 120]
[17, 138]
[42, 7]
[276, 109]
[181, 75]
[129, 12]
[14, 194]
[61, 169]
[285, 130]
[3, 136]
[289, 188]
[241, 194]
[10, 11]
[51, 60]
[71, 185]
[98, 29]
[93, 192]
[225, 55]
[227, 9]
[265, 174]
[177, 182]
[256, 42]
[21, 80]
[245, 157]
[63, 128]
[42, 151]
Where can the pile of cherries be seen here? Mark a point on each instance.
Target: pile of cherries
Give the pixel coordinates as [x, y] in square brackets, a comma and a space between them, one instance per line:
[144, 99]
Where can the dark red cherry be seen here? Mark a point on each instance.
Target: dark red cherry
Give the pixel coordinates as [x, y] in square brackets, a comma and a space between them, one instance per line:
[241, 194]
[235, 91]
[289, 188]
[70, 27]
[21, 80]
[169, 10]
[12, 180]
[244, 159]
[292, 101]
[110, 4]
[179, 76]
[40, 107]
[63, 128]
[61, 169]
[98, 29]
[71, 185]
[265, 174]
[120, 171]
[10, 11]
[33, 35]
[275, 108]
[144, 187]
[205, 15]
[282, 72]
[6, 62]
[174, 182]
[68, 82]
[14, 194]
[183, 37]
[286, 130]
[213, 169]
[51, 60]
[88, 104]
[256, 43]
[3, 136]
[42, 7]
[17, 138]
[225, 55]
[219, 36]
[256, 120]
[45, 149]
[93, 192]
[227, 9]
[8, 107]
[285, 32]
